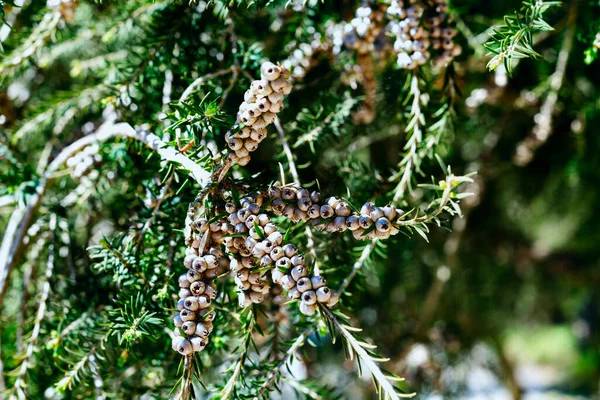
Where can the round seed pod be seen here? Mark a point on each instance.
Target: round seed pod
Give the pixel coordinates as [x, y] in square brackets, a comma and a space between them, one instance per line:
[269, 71]
[276, 275]
[199, 264]
[287, 282]
[191, 303]
[277, 253]
[342, 209]
[183, 293]
[191, 251]
[339, 224]
[261, 287]
[358, 234]
[333, 299]
[382, 235]
[290, 250]
[317, 282]
[211, 261]
[315, 197]
[267, 245]
[254, 278]
[263, 219]
[303, 284]
[181, 304]
[376, 213]
[203, 329]
[383, 225]
[188, 260]
[288, 193]
[183, 281]
[323, 294]
[279, 85]
[298, 259]
[198, 343]
[275, 98]
[203, 301]
[245, 285]
[365, 222]
[188, 327]
[268, 116]
[276, 238]
[249, 96]
[243, 300]
[314, 211]
[270, 229]
[187, 315]
[294, 293]
[308, 309]
[326, 211]
[352, 223]
[309, 297]
[254, 209]
[367, 208]
[182, 346]
[266, 261]
[263, 88]
[235, 143]
[304, 203]
[244, 133]
[211, 292]
[256, 297]
[243, 161]
[243, 274]
[177, 321]
[251, 145]
[298, 272]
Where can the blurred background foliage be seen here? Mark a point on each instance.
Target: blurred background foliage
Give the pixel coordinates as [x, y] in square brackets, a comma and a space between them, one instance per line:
[504, 304]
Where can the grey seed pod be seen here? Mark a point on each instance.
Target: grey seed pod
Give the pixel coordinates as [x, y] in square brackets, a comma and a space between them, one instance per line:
[315, 197]
[309, 297]
[352, 222]
[254, 209]
[193, 276]
[365, 222]
[383, 225]
[188, 260]
[266, 261]
[257, 134]
[367, 208]
[183, 281]
[251, 145]
[244, 132]
[197, 288]
[283, 262]
[279, 85]
[243, 300]
[340, 224]
[298, 259]
[249, 96]
[235, 264]
[342, 209]
[182, 346]
[227, 227]
[277, 253]
[215, 226]
[250, 243]
[358, 233]
[203, 301]
[389, 212]
[308, 309]
[191, 303]
[274, 192]
[180, 304]
[199, 264]
[267, 245]
[243, 274]
[276, 275]
[269, 116]
[187, 315]
[201, 225]
[211, 261]
[235, 143]
[245, 285]
[239, 243]
[323, 294]
[198, 343]
[287, 87]
[275, 98]
[317, 282]
[191, 251]
[376, 213]
[259, 287]
[333, 299]
[288, 193]
[314, 211]
[304, 203]
[394, 231]
[211, 273]
[259, 123]
[303, 284]
[270, 71]
[263, 219]
[211, 292]
[299, 215]
[242, 214]
[243, 161]
[256, 297]
[332, 201]
[217, 237]
[254, 278]
[294, 293]
[240, 228]
[298, 272]
[287, 282]
[254, 235]
[203, 329]
[233, 218]
[382, 235]
[263, 104]
[251, 220]
[290, 250]
[188, 327]
[326, 211]
[258, 250]
[177, 321]
[276, 238]
[183, 293]
[263, 88]
[253, 110]
[270, 229]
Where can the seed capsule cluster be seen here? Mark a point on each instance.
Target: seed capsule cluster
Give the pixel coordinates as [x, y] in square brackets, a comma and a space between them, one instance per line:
[442, 34]
[364, 29]
[83, 161]
[333, 214]
[306, 56]
[197, 290]
[411, 40]
[261, 104]
[422, 34]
